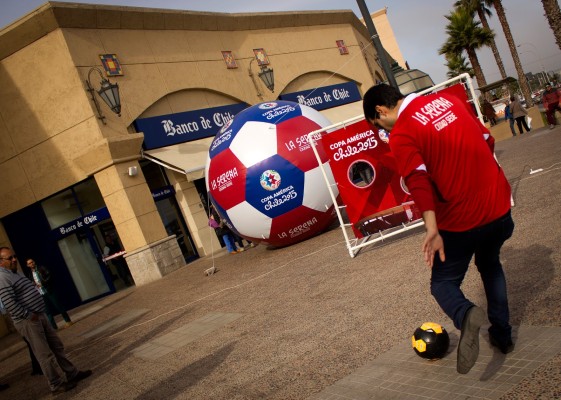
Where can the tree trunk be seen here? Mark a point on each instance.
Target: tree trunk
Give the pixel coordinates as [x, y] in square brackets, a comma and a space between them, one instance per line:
[479, 77]
[522, 81]
[553, 15]
[498, 59]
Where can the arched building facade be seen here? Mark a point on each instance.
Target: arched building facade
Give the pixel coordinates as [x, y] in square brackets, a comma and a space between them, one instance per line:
[71, 180]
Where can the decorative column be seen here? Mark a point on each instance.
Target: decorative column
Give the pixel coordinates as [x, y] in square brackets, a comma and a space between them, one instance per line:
[151, 252]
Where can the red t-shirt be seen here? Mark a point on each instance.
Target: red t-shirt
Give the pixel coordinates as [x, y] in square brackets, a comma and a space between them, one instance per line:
[463, 182]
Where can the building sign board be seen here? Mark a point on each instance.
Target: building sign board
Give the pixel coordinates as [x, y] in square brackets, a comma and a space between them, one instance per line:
[325, 97]
[83, 222]
[170, 129]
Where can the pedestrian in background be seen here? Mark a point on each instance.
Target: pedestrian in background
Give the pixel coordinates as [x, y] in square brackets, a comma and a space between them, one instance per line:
[510, 118]
[43, 282]
[464, 197]
[519, 113]
[489, 112]
[550, 100]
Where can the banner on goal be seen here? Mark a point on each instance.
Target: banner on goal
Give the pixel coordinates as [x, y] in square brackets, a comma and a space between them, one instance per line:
[365, 170]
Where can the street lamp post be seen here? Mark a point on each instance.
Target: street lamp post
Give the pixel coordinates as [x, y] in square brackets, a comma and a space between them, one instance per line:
[545, 76]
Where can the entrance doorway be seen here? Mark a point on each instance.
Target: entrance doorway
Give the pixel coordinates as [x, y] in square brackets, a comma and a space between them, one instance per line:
[172, 218]
[82, 228]
[175, 225]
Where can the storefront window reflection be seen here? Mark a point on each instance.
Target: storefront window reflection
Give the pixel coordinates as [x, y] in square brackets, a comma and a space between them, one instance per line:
[168, 208]
[73, 203]
[76, 217]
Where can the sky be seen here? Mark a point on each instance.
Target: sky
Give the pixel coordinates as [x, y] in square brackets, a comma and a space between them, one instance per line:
[420, 31]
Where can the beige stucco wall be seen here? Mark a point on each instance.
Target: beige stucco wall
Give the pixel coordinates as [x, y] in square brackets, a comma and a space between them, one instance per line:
[51, 137]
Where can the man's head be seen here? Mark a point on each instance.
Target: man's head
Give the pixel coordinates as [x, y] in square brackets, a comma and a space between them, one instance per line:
[8, 259]
[380, 105]
[31, 263]
[548, 87]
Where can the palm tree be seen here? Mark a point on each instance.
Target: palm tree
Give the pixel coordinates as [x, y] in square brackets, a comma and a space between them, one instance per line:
[508, 36]
[553, 15]
[457, 65]
[483, 11]
[465, 34]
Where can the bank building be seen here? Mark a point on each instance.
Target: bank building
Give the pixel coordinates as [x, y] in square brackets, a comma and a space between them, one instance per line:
[107, 114]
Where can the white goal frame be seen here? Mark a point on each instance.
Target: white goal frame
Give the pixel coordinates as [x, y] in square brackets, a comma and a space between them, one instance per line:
[354, 244]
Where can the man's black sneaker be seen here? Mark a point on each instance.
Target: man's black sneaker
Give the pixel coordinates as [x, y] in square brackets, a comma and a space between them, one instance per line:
[505, 347]
[64, 387]
[468, 347]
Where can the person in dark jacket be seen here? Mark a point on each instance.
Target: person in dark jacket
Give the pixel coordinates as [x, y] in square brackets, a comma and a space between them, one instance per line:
[510, 118]
[43, 282]
[550, 100]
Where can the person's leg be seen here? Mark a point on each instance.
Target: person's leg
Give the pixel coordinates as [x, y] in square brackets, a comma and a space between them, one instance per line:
[34, 332]
[50, 310]
[446, 279]
[239, 241]
[487, 259]
[550, 113]
[56, 307]
[519, 124]
[122, 271]
[525, 124]
[57, 348]
[229, 242]
[35, 366]
[447, 276]
[548, 116]
[556, 108]
[511, 123]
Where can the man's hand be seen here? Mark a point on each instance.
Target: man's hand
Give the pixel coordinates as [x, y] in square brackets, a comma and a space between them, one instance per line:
[433, 241]
[34, 317]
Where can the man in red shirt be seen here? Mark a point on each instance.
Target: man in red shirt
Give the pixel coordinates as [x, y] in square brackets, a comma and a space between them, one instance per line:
[550, 100]
[446, 158]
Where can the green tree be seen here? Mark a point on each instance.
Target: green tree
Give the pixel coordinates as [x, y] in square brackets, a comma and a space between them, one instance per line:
[553, 15]
[466, 34]
[457, 65]
[483, 11]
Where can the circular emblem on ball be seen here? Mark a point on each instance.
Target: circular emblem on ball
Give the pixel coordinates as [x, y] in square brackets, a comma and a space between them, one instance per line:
[383, 134]
[270, 180]
[267, 106]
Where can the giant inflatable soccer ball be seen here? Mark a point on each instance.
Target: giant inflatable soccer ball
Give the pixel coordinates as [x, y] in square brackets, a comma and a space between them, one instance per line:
[264, 178]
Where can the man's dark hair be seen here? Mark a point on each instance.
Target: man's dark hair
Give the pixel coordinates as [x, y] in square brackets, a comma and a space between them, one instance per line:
[379, 95]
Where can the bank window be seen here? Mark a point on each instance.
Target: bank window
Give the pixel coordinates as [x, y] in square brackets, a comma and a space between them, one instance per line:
[72, 203]
[154, 175]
